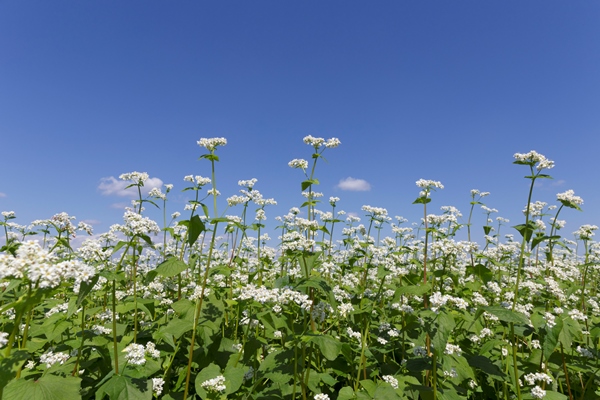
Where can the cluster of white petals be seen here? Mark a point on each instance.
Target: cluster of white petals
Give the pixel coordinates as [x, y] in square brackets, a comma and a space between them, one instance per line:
[212, 143]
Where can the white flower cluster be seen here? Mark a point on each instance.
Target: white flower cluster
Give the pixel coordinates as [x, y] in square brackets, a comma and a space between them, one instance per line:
[136, 353]
[321, 396]
[8, 214]
[50, 358]
[452, 349]
[40, 266]
[197, 180]
[532, 158]
[538, 393]
[137, 178]
[391, 380]
[569, 197]
[215, 385]
[135, 224]
[318, 142]
[212, 143]
[585, 232]
[157, 385]
[428, 184]
[298, 163]
[532, 378]
[3, 339]
[281, 296]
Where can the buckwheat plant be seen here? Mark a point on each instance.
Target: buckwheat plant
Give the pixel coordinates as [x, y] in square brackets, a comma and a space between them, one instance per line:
[343, 307]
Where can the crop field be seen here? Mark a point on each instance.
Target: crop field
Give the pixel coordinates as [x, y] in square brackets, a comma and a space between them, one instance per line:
[199, 305]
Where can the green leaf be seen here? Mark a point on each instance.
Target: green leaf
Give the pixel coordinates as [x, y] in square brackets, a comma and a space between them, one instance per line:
[506, 315]
[234, 377]
[85, 288]
[210, 372]
[526, 230]
[551, 395]
[195, 228]
[422, 200]
[49, 387]
[172, 266]
[445, 324]
[416, 290]
[369, 386]
[330, 347]
[147, 239]
[481, 271]
[120, 387]
[346, 393]
[484, 364]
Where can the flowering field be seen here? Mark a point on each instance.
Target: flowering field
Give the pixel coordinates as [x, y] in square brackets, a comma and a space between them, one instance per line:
[203, 307]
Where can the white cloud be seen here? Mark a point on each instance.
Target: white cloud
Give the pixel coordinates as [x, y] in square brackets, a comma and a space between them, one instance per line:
[2, 194]
[120, 206]
[355, 185]
[91, 221]
[113, 186]
[559, 182]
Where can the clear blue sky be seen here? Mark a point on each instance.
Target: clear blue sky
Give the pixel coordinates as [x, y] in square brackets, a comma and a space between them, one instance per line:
[442, 90]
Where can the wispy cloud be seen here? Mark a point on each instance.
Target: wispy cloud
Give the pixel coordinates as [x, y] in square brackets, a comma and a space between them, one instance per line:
[120, 206]
[355, 185]
[2, 194]
[112, 186]
[91, 221]
[560, 182]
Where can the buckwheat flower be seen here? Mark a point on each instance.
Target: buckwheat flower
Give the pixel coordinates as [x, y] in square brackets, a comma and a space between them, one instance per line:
[428, 184]
[577, 315]
[136, 354]
[352, 334]
[569, 199]
[151, 350]
[321, 396]
[157, 193]
[313, 141]
[50, 358]
[585, 232]
[333, 201]
[168, 187]
[452, 349]
[391, 380]
[277, 334]
[157, 385]
[175, 215]
[382, 341]
[332, 143]
[532, 378]
[451, 374]
[472, 384]
[100, 330]
[298, 163]
[30, 364]
[260, 215]
[538, 393]
[532, 158]
[3, 339]
[8, 215]
[504, 352]
[212, 143]
[248, 183]
[137, 178]
[215, 385]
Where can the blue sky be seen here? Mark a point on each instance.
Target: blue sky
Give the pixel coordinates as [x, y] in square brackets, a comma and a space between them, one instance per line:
[442, 90]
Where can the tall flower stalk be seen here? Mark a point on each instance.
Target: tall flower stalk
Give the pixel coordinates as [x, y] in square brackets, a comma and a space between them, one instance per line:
[210, 145]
